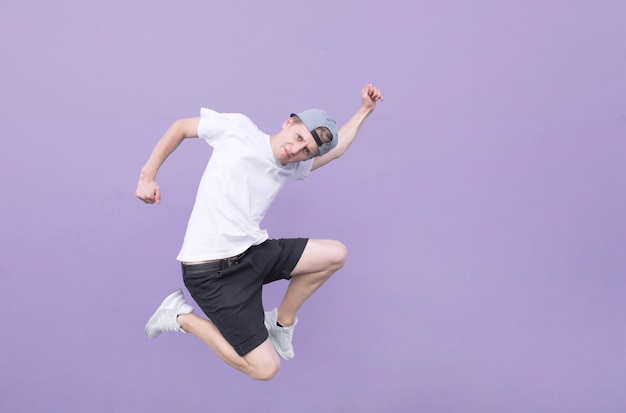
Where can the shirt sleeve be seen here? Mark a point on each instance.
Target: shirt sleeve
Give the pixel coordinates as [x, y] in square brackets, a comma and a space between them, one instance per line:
[214, 126]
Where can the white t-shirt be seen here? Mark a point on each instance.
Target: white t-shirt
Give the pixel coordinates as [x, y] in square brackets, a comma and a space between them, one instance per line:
[241, 180]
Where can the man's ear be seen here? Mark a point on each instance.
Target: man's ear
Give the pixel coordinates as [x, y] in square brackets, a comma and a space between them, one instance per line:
[287, 123]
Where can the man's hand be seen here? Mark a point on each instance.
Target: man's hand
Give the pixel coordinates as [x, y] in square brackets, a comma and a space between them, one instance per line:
[148, 191]
[370, 95]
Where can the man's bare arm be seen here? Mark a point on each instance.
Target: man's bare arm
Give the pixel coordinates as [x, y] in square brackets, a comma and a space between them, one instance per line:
[369, 96]
[148, 189]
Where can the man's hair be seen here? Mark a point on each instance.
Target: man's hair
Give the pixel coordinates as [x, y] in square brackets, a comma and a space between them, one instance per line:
[323, 132]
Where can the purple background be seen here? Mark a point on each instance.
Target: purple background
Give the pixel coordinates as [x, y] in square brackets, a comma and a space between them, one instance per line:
[482, 205]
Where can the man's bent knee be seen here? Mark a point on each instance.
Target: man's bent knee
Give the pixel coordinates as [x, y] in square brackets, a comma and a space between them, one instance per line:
[338, 254]
[320, 256]
[265, 372]
[263, 362]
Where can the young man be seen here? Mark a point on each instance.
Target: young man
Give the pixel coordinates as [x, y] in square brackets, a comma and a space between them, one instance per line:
[226, 257]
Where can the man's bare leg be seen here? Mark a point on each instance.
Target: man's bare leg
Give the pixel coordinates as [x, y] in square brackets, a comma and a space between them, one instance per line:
[262, 363]
[320, 259]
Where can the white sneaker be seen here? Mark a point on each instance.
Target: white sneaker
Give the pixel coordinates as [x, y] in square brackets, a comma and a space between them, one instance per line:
[280, 336]
[164, 318]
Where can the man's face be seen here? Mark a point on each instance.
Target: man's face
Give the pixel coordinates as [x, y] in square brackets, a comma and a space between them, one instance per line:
[294, 143]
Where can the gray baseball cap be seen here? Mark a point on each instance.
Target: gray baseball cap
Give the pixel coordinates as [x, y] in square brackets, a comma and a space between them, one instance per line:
[314, 118]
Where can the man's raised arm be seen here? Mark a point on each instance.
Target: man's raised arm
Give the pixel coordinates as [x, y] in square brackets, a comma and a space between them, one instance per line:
[148, 189]
[369, 96]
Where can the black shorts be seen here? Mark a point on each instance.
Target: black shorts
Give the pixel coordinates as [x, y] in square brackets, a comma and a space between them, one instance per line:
[230, 294]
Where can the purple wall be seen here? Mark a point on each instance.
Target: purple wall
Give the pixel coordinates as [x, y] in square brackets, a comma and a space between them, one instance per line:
[483, 203]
